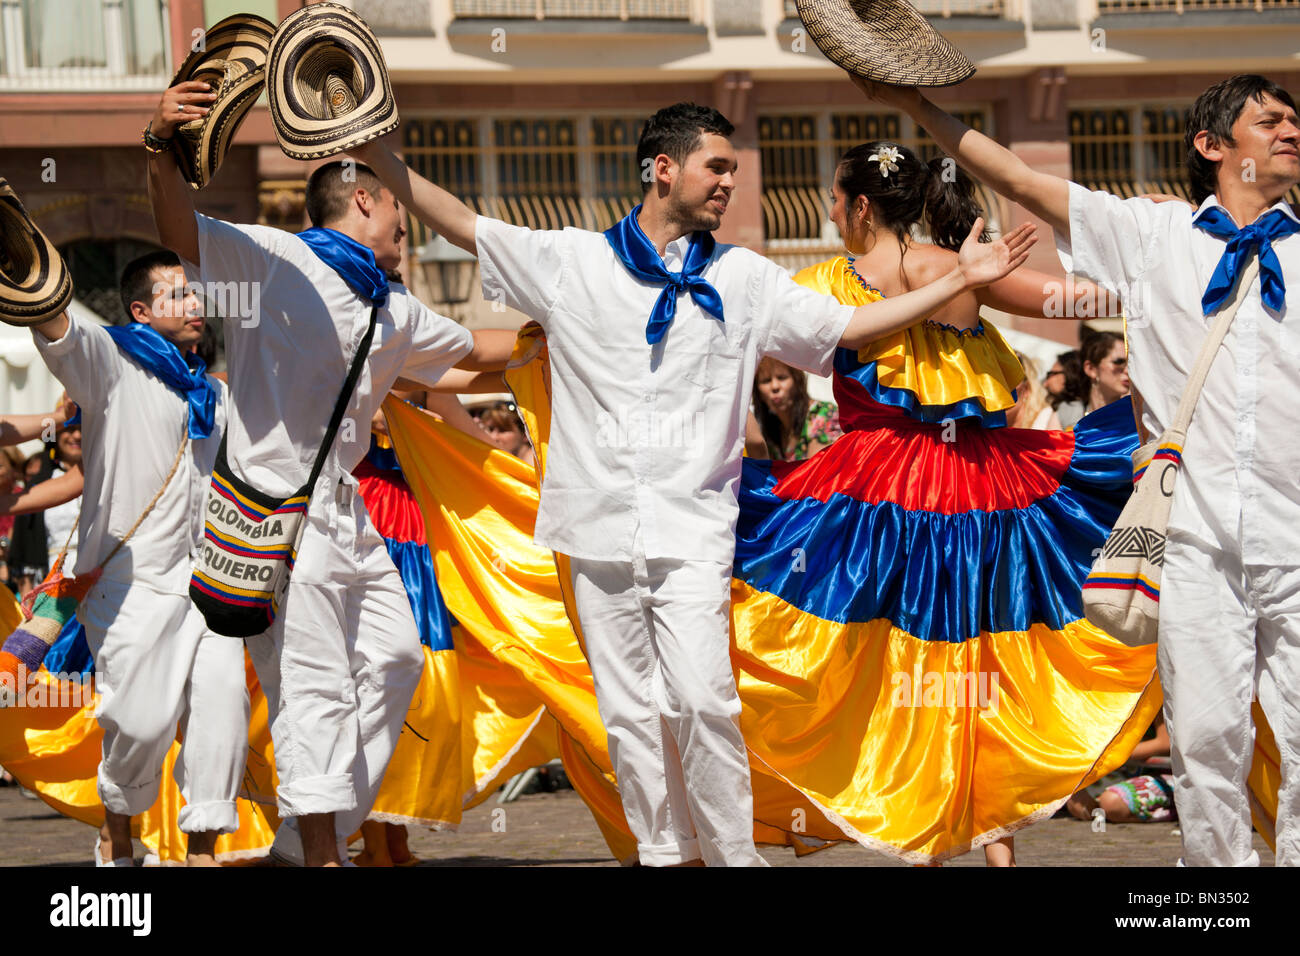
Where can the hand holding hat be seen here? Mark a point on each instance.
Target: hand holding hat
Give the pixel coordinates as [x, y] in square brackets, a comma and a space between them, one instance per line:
[183, 103]
[210, 95]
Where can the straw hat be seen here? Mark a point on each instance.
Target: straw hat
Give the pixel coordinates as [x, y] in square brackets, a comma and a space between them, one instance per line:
[233, 61]
[35, 285]
[887, 41]
[327, 84]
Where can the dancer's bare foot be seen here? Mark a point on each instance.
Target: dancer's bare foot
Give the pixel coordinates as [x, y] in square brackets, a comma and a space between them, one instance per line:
[1000, 853]
[375, 851]
[398, 850]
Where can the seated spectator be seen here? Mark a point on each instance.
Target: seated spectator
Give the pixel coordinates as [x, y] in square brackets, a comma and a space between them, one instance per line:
[1142, 798]
[791, 425]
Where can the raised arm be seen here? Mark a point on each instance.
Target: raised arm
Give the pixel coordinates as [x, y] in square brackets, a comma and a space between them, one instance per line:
[169, 193]
[1046, 196]
[978, 263]
[432, 205]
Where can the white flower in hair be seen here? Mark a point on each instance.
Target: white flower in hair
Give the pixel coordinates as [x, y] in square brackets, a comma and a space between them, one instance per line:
[887, 157]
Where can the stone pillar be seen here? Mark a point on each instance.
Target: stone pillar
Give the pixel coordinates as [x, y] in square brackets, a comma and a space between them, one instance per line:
[743, 223]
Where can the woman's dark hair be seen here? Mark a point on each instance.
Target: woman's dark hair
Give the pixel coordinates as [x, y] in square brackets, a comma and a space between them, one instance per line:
[938, 192]
[1076, 381]
[1097, 346]
[768, 421]
[676, 131]
[1215, 111]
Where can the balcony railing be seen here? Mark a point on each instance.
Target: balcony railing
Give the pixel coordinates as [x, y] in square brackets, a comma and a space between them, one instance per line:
[1183, 6]
[576, 9]
[83, 45]
[939, 8]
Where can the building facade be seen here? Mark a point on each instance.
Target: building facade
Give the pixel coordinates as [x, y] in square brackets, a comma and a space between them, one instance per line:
[530, 109]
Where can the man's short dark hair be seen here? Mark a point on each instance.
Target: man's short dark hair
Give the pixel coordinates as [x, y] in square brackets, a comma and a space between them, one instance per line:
[330, 189]
[1215, 111]
[138, 281]
[676, 131]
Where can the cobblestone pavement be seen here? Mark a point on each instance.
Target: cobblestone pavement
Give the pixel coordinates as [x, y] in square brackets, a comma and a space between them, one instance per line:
[555, 829]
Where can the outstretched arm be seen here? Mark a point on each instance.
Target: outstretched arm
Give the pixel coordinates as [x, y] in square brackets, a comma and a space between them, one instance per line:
[1041, 295]
[169, 193]
[432, 205]
[16, 429]
[51, 492]
[1046, 196]
[978, 263]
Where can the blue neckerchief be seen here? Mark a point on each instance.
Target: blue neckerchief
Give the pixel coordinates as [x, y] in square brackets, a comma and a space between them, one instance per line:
[184, 374]
[641, 258]
[1241, 242]
[354, 262]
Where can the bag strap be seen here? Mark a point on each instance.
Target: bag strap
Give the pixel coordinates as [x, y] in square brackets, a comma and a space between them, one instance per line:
[345, 396]
[1196, 380]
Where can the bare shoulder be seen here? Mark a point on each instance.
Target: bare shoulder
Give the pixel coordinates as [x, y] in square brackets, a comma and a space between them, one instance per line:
[925, 262]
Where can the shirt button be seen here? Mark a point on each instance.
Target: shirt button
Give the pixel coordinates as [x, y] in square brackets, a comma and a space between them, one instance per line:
[646, 398]
[640, 481]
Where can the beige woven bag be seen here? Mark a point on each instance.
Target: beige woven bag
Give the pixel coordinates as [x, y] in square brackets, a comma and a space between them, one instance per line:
[1122, 593]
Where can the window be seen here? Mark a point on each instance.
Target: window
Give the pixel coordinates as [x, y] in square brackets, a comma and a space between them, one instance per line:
[62, 44]
[1129, 150]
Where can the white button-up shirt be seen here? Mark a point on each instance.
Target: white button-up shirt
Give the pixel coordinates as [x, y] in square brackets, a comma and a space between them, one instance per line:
[649, 437]
[131, 427]
[1240, 482]
[289, 353]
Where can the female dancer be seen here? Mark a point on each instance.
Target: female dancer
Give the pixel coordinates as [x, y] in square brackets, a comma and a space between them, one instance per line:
[922, 574]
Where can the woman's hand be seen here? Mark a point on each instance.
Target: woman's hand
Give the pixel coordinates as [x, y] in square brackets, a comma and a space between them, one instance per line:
[182, 103]
[983, 262]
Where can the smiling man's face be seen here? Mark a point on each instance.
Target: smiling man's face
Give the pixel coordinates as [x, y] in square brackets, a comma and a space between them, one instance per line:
[702, 185]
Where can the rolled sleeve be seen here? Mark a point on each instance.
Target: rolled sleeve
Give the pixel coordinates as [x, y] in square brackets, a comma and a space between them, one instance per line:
[802, 328]
[521, 268]
[437, 344]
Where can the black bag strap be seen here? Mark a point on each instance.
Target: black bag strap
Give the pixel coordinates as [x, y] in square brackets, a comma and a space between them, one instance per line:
[345, 396]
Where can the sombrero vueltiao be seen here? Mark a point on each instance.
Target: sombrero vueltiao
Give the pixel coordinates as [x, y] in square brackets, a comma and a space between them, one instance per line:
[887, 41]
[35, 285]
[233, 61]
[327, 84]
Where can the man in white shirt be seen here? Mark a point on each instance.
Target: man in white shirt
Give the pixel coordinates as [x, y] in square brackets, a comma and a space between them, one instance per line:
[342, 659]
[1230, 589]
[654, 333]
[155, 661]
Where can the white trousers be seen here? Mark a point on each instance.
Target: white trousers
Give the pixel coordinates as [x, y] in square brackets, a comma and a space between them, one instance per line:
[657, 637]
[1227, 632]
[339, 667]
[157, 665]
